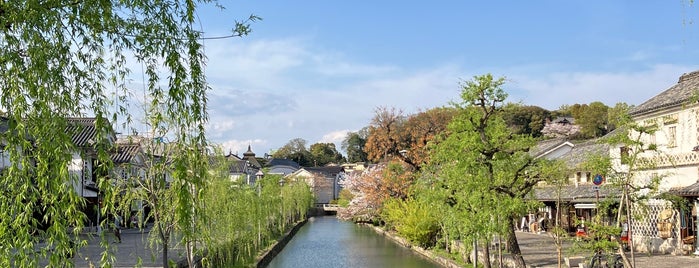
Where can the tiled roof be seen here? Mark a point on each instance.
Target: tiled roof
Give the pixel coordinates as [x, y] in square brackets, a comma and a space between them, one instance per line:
[685, 89]
[582, 151]
[237, 166]
[689, 191]
[282, 162]
[124, 153]
[327, 171]
[82, 131]
[571, 193]
[545, 146]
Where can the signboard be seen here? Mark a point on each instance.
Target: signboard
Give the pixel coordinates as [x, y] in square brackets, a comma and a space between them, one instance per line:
[598, 180]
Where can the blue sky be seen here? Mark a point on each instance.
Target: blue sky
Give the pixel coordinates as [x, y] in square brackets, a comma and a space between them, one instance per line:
[317, 69]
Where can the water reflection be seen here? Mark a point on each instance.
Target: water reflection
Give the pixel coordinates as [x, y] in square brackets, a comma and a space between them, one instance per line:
[329, 242]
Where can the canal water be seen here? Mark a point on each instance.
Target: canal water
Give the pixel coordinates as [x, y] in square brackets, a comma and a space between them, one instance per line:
[328, 242]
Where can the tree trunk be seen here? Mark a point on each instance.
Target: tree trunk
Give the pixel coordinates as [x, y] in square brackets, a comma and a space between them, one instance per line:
[513, 245]
[486, 254]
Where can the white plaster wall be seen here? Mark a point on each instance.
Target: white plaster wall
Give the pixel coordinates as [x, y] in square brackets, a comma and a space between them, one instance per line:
[4, 159]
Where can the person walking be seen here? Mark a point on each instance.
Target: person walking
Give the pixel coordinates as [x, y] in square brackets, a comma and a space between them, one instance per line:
[117, 228]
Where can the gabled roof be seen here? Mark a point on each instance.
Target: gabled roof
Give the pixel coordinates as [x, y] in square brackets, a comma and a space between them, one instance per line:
[545, 146]
[677, 95]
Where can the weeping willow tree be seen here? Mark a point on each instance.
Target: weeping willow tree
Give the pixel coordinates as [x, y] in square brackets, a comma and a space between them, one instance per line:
[243, 220]
[62, 59]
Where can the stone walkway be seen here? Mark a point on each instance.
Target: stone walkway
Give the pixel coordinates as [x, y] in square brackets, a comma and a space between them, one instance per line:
[539, 250]
[132, 250]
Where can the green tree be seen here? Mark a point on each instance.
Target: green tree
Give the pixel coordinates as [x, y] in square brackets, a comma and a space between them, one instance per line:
[353, 145]
[324, 153]
[295, 150]
[62, 59]
[593, 120]
[524, 119]
[617, 115]
[485, 167]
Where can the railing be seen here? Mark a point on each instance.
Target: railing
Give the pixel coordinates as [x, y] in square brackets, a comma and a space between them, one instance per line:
[327, 207]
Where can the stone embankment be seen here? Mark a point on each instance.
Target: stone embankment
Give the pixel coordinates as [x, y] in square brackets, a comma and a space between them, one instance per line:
[425, 253]
[272, 251]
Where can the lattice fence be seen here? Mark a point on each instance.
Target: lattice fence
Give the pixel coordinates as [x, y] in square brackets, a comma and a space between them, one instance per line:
[648, 217]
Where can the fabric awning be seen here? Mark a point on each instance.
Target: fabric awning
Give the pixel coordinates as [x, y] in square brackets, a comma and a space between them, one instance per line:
[585, 206]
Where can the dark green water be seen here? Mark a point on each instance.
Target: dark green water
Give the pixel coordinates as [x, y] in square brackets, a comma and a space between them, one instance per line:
[329, 242]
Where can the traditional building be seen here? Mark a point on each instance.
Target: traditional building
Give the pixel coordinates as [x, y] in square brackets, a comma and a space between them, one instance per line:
[324, 181]
[674, 114]
[578, 196]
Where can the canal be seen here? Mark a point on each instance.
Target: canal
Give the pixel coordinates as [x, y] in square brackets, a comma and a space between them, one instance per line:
[329, 242]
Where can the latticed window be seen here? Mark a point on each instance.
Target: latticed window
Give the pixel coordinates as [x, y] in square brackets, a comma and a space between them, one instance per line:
[647, 225]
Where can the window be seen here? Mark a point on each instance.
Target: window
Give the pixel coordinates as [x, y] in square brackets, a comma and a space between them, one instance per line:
[672, 136]
[624, 154]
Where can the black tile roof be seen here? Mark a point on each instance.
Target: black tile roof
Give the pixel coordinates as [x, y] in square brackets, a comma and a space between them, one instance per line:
[574, 194]
[327, 171]
[237, 166]
[82, 130]
[688, 191]
[282, 162]
[124, 153]
[679, 94]
[581, 152]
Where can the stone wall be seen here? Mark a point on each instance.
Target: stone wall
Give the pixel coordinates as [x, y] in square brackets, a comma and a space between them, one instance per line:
[271, 252]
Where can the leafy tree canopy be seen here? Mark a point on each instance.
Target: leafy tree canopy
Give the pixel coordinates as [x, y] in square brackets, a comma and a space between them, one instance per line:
[484, 166]
[295, 150]
[325, 153]
[354, 144]
[394, 135]
[525, 119]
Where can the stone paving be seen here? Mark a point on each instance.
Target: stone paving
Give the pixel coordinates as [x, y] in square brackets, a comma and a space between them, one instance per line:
[134, 246]
[539, 250]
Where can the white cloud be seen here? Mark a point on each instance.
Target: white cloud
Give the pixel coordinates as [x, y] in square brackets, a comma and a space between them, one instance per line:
[557, 88]
[267, 92]
[240, 146]
[334, 137]
[256, 64]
